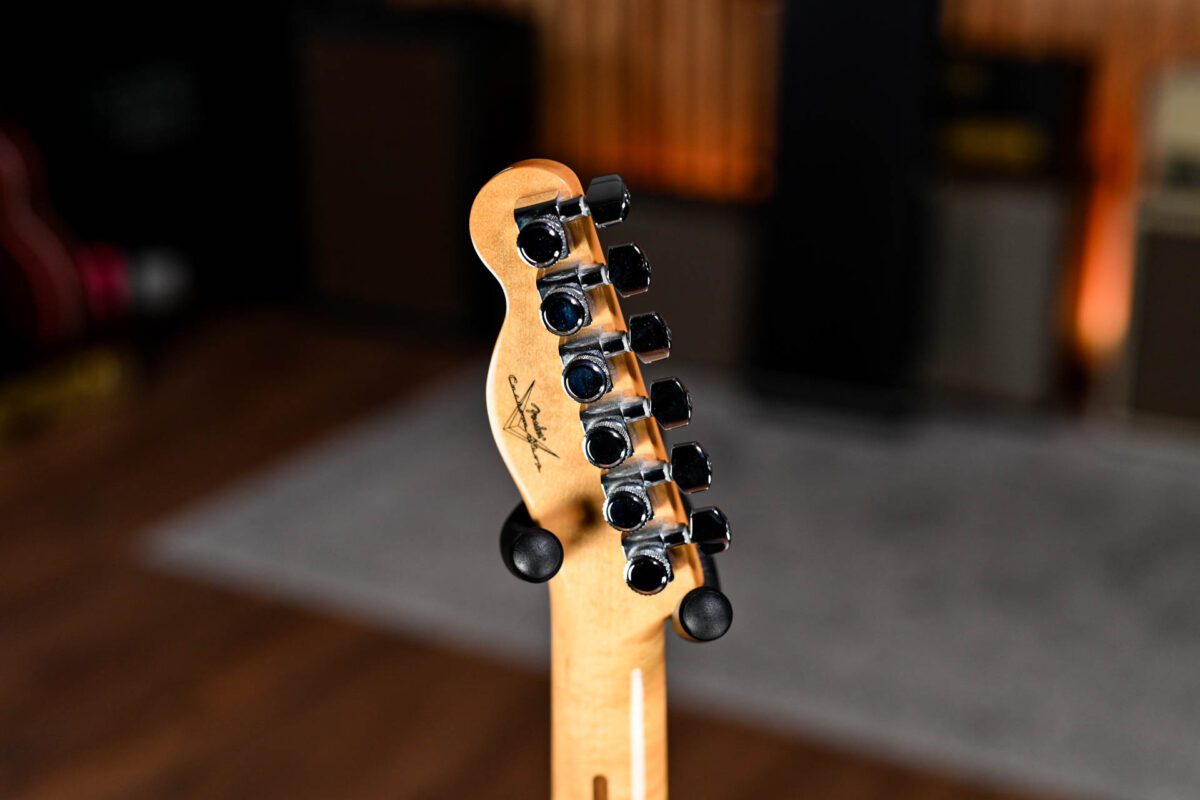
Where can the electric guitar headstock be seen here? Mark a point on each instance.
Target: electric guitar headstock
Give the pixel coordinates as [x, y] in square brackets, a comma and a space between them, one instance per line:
[604, 518]
[574, 421]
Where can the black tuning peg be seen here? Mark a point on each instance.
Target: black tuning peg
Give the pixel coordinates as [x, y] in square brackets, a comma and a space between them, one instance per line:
[627, 505]
[542, 234]
[670, 403]
[691, 468]
[566, 307]
[607, 438]
[587, 372]
[531, 553]
[704, 614]
[628, 269]
[708, 529]
[649, 337]
[607, 200]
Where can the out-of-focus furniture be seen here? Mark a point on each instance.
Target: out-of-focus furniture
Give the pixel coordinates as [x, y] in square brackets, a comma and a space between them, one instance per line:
[1127, 43]
[1004, 211]
[404, 114]
[1163, 356]
[1161, 374]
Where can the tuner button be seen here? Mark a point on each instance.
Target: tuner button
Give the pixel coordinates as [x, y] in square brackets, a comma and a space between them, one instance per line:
[608, 200]
[647, 574]
[586, 378]
[709, 529]
[606, 443]
[670, 403]
[627, 508]
[649, 337]
[628, 269]
[705, 614]
[542, 241]
[565, 311]
[691, 468]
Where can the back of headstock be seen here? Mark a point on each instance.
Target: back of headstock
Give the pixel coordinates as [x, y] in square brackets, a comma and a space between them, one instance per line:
[571, 415]
[581, 436]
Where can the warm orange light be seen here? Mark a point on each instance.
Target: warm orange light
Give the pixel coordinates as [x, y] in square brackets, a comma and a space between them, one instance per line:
[1106, 275]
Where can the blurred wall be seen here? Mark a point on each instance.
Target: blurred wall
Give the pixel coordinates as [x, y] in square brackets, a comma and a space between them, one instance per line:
[680, 95]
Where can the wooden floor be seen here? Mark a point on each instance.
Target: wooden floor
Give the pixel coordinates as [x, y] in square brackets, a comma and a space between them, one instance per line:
[117, 682]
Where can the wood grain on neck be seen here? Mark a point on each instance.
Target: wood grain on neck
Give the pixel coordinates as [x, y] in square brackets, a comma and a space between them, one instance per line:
[607, 642]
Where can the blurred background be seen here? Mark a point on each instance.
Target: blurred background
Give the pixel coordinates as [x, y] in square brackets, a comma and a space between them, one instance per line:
[933, 271]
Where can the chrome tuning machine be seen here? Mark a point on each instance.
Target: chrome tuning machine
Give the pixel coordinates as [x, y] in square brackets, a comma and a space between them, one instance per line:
[587, 369]
[566, 306]
[542, 235]
[647, 563]
[627, 505]
[607, 438]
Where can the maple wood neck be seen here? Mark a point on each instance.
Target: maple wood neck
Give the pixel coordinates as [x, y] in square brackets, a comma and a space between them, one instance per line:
[608, 695]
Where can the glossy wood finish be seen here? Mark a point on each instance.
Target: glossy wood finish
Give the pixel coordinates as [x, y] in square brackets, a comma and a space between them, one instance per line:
[608, 678]
[119, 682]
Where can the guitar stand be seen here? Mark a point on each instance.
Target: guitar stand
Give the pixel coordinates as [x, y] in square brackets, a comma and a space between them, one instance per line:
[535, 555]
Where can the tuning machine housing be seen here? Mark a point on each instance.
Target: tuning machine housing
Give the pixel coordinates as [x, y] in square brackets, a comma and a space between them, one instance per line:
[607, 438]
[587, 367]
[543, 237]
[566, 305]
[627, 504]
[647, 562]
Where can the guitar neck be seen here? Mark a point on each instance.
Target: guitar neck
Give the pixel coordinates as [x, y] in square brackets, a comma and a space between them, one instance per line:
[608, 703]
[630, 555]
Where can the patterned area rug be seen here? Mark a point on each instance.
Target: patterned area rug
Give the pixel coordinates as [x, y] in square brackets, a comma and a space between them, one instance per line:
[1018, 601]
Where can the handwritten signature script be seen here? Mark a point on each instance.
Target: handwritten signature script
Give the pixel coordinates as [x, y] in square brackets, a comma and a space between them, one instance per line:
[523, 421]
